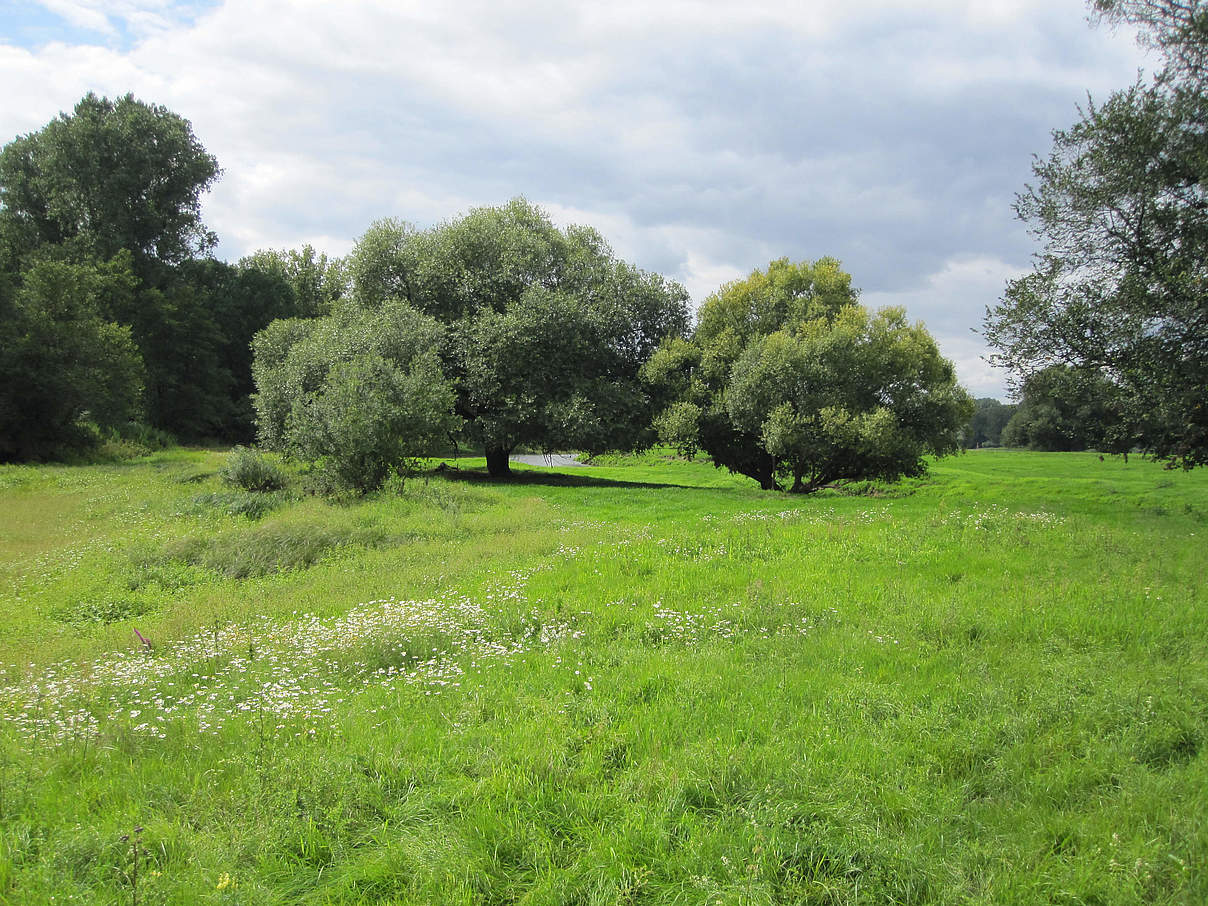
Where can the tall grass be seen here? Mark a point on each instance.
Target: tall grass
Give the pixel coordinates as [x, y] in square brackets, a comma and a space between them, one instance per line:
[643, 682]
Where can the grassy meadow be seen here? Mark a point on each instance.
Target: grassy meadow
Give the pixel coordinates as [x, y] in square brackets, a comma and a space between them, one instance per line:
[644, 682]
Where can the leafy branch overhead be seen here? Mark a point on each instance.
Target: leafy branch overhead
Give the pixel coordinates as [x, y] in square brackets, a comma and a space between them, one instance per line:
[1120, 206]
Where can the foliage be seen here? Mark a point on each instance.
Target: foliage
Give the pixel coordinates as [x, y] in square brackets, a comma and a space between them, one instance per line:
[984, 429]
[789, 379]
[253, 471]
[1119, 206]
[123, 180]
[858, 396]
[1062, 408]
[765, 301]
[371, 418]
[66, 371]
[130, 441]
[678, 426]
[317, 283]
[357, 394]
[111, 176]
[548, 329]
[1176, 28]
[543, 374]
[196, 330]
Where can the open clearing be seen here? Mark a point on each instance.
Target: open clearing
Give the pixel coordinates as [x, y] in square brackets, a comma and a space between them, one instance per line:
[645, 682]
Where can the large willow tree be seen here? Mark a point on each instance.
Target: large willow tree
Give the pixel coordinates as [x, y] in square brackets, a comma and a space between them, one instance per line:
[790, 381]
[546, 329]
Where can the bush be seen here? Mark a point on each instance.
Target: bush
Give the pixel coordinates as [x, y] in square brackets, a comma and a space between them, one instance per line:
[370, 419]
[246, 468]
[678, 427]
[357, 395]
[129, 442]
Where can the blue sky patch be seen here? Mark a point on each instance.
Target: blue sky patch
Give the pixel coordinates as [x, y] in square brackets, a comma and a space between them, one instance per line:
[31, 25]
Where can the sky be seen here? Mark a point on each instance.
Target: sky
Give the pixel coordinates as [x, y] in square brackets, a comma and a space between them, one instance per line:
[702, 138]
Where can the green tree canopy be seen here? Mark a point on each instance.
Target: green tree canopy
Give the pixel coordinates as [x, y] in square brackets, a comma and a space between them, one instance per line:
[1063, 408]
[1121, 209]
[548, 330]
[195, 332]
[316, 282]
[63, 364]
[124, 179]
[357, 394]
[111, 176]
[792, 381]
[990, 416]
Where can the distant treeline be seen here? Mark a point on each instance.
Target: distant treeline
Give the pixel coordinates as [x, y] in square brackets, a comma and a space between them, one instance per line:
[1060, 409]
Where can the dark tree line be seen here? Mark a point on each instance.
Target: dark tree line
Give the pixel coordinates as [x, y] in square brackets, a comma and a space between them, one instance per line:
[113, 316]
[985, 428]
[1059, 409]
[1063, 409]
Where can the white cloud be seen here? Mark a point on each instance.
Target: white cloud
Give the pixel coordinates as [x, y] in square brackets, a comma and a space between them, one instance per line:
[83, 15]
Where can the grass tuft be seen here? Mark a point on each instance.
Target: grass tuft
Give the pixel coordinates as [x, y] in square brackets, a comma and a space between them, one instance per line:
[253, 471]
[270, 548]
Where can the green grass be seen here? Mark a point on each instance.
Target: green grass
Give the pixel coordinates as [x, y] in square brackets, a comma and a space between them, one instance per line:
[647, 682]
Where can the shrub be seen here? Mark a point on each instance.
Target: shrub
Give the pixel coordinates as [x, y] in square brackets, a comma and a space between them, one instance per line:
[130, 442]
[253, 471]
[357, 395]
[678, 428]
[372, 418]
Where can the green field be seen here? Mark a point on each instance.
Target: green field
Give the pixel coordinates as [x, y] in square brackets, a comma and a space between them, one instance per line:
[645, 682]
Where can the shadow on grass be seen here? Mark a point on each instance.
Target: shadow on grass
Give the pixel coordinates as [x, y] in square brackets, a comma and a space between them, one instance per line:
[546, 478]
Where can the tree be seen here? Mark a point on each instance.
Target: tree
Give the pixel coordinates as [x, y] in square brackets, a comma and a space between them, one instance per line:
[548, 330]
[64, 367]
[196, 332]
[317, 283]
[124, 177]
[111, 176]
[797, 383]
[1177, 28]
[678, 426]
[1062, 408]
[1121, 208]
[357, 394]
[990, 416]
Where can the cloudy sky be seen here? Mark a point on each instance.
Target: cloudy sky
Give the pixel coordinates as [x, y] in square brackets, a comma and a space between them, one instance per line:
[703, 138]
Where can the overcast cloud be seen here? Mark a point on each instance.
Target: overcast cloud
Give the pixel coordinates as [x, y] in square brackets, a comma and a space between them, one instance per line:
[702, 138]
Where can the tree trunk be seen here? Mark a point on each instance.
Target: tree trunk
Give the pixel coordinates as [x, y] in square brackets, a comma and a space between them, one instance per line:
[497, 462]
[767, 474]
